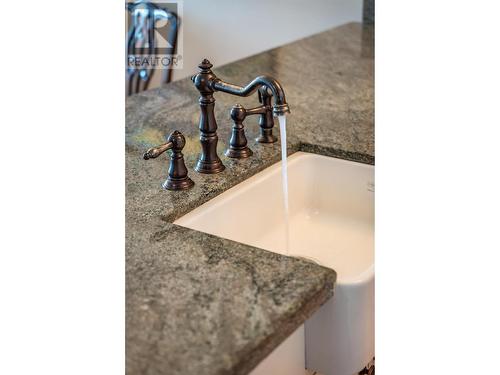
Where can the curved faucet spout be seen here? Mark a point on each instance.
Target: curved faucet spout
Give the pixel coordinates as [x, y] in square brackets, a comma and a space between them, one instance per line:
[280, 106]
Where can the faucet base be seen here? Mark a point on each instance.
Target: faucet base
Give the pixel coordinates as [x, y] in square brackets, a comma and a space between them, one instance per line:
[178, 184]
[266, 138]
[209, 167]
[239, 153]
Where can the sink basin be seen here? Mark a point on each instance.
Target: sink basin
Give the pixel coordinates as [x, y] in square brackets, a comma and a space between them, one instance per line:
[331, 220]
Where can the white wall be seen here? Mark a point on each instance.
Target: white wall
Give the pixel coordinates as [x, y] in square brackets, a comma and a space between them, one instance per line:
[228, 30]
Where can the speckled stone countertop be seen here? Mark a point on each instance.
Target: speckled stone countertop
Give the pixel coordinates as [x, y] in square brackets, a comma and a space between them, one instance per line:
[200, 304]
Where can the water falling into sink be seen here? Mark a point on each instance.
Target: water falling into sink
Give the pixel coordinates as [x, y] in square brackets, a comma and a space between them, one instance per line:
[284, 178]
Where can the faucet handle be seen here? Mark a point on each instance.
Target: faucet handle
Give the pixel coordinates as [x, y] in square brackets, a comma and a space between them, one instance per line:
[238, 148]
[177, 172]
[154, 152]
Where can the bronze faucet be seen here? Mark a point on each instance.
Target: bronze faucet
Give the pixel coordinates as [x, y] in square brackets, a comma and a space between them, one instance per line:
[207, 83]
[177, 172]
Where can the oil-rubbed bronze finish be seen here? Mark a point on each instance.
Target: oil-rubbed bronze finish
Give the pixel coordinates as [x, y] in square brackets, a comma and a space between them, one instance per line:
[238, 144]
[207, 83]
[177, 172]
[280, 106]
[238, 148]
[266, 121]
[208, 162]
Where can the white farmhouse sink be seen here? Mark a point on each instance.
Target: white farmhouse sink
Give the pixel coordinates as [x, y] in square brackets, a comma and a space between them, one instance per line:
[332, 223]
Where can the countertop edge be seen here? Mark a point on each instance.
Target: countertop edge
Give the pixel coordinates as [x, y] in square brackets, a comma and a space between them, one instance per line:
[290, 323]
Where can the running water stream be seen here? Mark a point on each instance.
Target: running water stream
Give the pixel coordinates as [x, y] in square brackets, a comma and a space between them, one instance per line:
[284, 178]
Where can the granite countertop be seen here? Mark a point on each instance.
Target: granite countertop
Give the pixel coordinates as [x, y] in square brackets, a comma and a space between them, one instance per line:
[200, 304]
